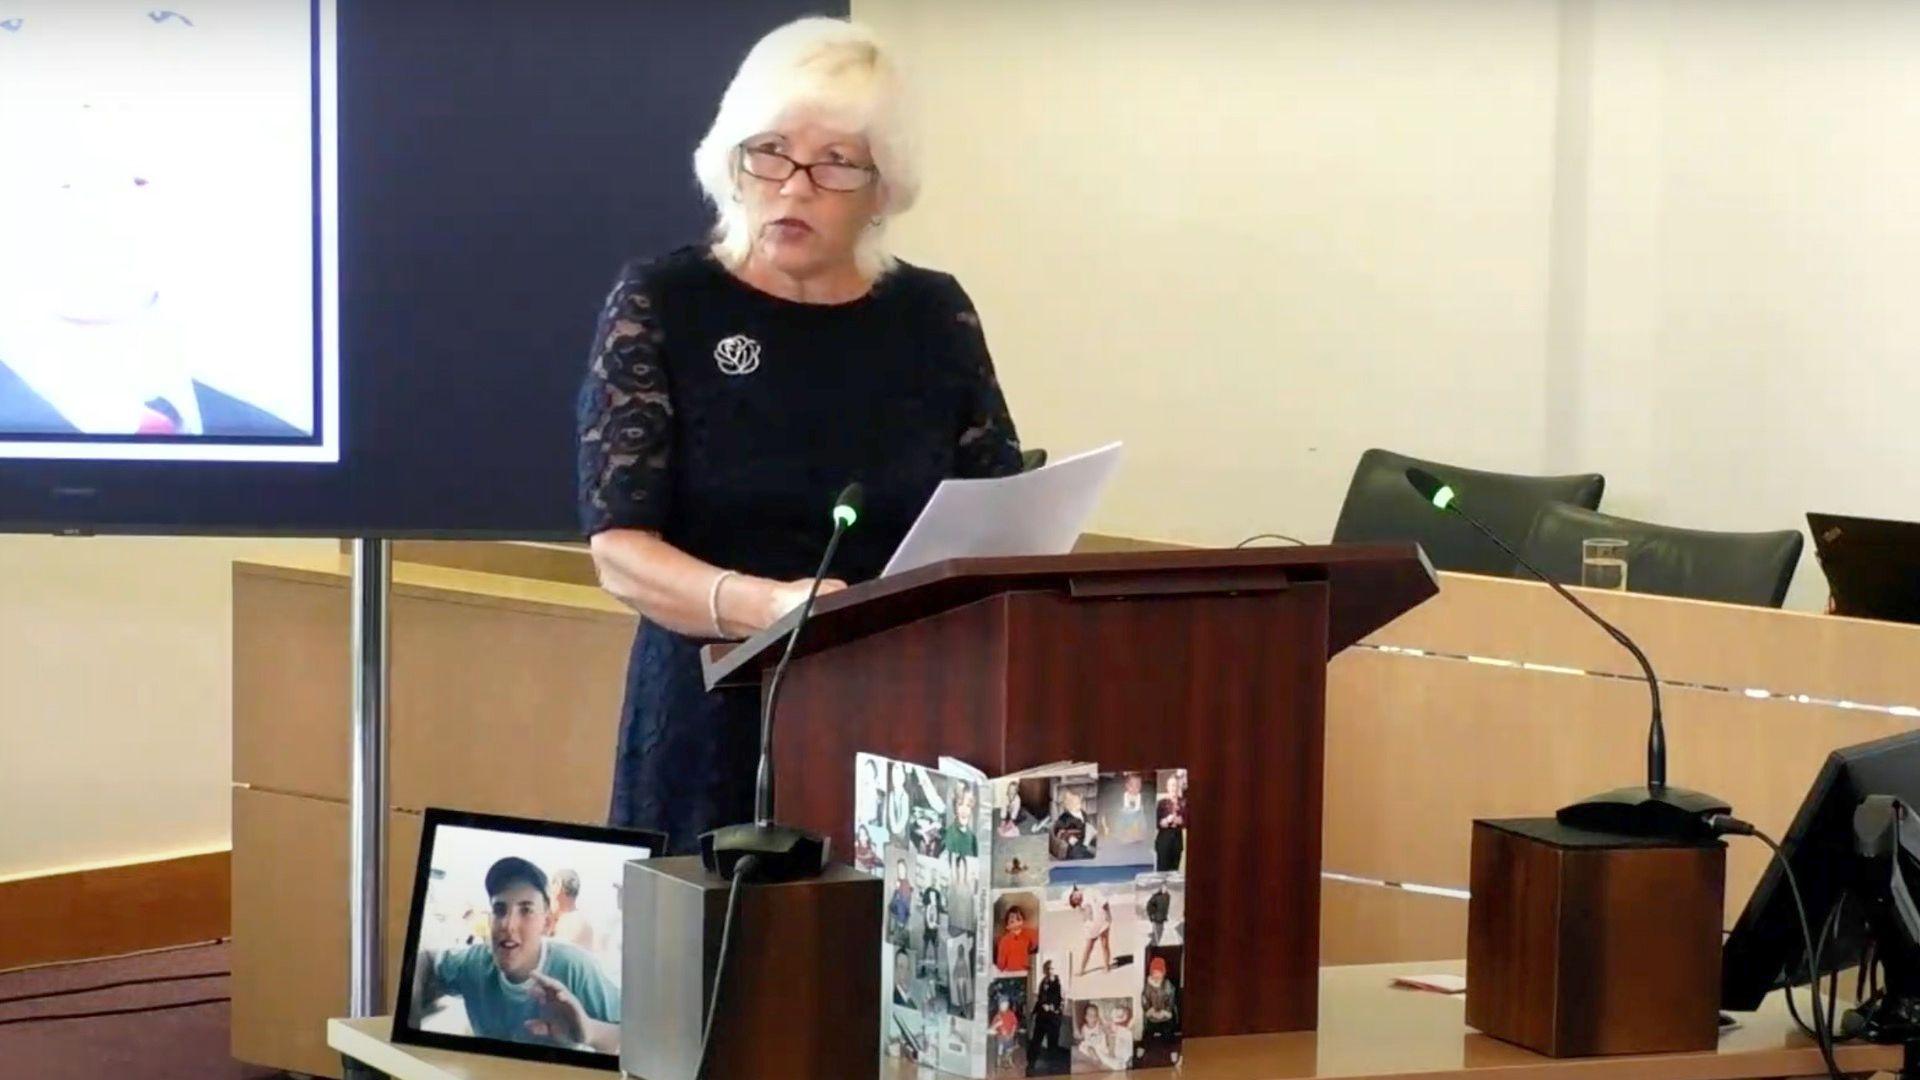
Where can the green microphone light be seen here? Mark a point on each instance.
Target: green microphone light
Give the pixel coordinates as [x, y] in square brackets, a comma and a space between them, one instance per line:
[846, 508]
[1431, 489]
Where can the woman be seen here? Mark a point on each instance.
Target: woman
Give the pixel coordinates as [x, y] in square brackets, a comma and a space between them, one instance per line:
[1170, 842]
[735, 387]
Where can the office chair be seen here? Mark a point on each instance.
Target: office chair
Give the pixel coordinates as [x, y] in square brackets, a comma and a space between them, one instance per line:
[1732, 567]
[1381, 506]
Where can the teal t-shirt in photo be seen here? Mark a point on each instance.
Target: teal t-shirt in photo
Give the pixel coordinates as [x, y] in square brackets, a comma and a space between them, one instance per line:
[498, 1009]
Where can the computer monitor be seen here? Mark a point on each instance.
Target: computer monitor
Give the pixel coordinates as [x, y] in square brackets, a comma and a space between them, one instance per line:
[1872, 566]
[1767, 949]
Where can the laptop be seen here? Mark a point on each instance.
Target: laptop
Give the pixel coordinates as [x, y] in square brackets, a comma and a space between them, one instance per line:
[1872, 566]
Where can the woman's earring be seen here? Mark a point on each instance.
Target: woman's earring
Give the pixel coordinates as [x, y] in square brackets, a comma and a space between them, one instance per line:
[876, 221]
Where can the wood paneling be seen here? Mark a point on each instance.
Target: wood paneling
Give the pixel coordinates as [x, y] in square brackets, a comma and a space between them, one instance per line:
[290, 924]
[291, 690]
[1375, 924]
[114, 910]
[503, 710]
[1417, 748]
[1691, 641]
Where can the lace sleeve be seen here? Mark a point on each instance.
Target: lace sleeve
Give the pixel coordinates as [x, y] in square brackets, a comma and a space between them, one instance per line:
[988, 445]
[625, 416]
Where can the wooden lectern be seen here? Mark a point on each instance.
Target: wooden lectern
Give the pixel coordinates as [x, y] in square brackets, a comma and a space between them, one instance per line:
[1214, 661]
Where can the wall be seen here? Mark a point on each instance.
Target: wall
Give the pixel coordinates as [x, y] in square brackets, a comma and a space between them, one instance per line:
[115, 698]
[1664, 239]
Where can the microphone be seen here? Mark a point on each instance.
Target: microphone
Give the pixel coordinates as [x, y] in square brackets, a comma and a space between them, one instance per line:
[781, 852]
[1651, 810]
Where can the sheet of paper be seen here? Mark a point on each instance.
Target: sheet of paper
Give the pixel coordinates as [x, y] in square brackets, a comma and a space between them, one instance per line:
[1033, 513]
[1440, 984]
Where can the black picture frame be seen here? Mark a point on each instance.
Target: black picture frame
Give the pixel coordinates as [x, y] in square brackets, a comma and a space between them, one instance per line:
[405, 1030]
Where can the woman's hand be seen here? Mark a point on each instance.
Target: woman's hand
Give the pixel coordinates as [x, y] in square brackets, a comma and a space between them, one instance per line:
[784, 596]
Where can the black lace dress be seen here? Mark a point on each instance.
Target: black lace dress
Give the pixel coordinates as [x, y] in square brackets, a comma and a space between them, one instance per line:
[726, 419]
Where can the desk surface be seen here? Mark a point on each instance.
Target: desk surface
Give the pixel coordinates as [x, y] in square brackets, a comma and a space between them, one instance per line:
[1367, 1029]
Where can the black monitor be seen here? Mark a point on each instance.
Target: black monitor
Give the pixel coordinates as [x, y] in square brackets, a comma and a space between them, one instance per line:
[1767, 949]
[1872, 566]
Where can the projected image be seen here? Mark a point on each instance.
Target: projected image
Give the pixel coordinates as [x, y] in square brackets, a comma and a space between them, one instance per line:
[159, 264]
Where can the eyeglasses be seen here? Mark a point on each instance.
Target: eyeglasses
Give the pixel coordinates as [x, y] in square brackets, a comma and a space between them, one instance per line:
[825, 175]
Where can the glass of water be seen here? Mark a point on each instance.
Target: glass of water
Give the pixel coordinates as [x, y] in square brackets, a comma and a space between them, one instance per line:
[1603, 564]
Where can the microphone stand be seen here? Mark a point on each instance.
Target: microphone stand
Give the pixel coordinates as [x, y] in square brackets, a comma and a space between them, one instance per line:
[1652, 809]
[779, 852]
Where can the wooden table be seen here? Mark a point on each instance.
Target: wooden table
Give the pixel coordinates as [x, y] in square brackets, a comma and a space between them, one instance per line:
[1367, 1029]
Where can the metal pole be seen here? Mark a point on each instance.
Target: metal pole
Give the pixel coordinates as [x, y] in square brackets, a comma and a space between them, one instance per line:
[367, 797]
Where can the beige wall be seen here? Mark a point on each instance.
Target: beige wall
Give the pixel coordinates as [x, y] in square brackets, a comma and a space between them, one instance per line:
[115, 698]
[1669, 240]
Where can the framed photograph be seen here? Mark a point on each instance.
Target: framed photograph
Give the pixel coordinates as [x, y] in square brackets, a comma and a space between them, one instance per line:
[513, 938]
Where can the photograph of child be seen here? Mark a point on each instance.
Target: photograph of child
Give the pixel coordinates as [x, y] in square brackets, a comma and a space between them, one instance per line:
[1170, 819]
[927, 795]
[1024, 808]
[1163, 904]
[518, 941]
[868, 849]
[1102, 934]
[1075, 821]
[870, 792]
[1126, 812]
[933, 881]
[965, 898]
[1048, 1045]
[897, 801]
[1017, 917]
[961, 836]
[1104, 1034]
[1020, 862]
[1160, 1008]
[900, 900]
[1006, 1027]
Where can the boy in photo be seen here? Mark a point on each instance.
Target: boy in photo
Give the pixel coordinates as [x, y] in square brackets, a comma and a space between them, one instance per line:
[523, 986]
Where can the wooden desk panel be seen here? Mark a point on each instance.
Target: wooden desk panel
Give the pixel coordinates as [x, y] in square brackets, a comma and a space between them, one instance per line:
[1692, 641]
[1418, 747]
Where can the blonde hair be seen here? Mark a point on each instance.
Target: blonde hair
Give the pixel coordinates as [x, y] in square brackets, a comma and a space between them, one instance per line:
[839, 71]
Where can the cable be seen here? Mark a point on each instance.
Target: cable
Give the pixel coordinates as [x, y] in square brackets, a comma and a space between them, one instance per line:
[114, 986]
[115, 1012]
[741, 871]
[1822, 1035]
[1271, 536]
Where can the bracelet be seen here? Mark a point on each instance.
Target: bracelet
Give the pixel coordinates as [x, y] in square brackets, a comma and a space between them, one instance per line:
[713, 599]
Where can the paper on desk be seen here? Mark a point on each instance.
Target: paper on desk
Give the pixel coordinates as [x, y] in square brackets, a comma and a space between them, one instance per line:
[1031, 513]
[1440, 984]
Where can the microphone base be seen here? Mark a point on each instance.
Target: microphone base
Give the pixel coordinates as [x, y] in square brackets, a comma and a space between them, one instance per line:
[781, 852]
[1646, 810]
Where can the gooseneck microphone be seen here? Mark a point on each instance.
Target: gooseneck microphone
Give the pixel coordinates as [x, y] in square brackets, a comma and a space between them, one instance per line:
[1653, 810]
[762, 850]
[780, 852]
[846, 511]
